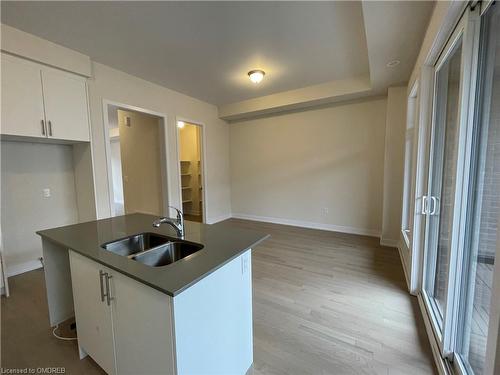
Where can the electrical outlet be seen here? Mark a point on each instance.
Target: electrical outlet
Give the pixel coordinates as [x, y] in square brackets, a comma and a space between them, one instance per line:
[324, 211]
[46, 193]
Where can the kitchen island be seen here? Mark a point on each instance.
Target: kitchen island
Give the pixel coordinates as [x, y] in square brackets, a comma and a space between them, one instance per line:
[189, 316]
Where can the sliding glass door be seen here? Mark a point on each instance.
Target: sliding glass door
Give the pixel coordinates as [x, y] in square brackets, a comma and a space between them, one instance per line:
[462, 204]
[442, 179]
[484, 207]
[443, 202]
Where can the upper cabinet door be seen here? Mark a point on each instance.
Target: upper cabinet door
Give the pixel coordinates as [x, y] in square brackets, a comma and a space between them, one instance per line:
[65, 98]
[22, 101]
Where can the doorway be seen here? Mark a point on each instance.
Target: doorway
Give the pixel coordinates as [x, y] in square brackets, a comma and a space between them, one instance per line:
[191, 170]
[136, 161]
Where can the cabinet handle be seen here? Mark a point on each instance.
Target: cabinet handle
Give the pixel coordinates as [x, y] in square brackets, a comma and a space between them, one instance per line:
[101, 274]
[43, 127]
[108, 291]
[50, 128]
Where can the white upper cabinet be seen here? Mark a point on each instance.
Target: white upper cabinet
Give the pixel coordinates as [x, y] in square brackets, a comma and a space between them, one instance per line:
[22, 101]
[43, 102]
[65, 98]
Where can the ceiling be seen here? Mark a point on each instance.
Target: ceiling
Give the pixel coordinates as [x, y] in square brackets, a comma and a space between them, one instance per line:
[205, 49]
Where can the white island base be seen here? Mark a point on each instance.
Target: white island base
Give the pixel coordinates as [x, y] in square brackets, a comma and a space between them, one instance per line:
[205, 329]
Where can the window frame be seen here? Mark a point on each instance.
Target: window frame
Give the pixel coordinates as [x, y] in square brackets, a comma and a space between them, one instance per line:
[410, 159]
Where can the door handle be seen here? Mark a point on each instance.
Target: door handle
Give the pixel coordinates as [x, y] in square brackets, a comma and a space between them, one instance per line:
[50, 128]
[108, 289]
[43, 126]
[101, 274]
[434, 201]
[424, 204]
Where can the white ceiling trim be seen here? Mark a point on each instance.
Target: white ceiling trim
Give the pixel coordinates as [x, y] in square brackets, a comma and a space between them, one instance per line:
[315, 95]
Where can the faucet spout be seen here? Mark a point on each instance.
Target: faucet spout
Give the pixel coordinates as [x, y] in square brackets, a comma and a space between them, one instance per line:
[177, 223]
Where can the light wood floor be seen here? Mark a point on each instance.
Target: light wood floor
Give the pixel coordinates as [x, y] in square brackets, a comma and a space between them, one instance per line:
[324, 303]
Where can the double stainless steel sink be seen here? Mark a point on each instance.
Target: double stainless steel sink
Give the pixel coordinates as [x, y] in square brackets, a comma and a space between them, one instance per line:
[152, 249]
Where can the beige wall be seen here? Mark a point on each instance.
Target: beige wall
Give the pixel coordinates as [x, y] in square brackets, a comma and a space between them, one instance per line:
[27, 169]
[141, 162]
[113, 85]
[321, 168]
[395, 130]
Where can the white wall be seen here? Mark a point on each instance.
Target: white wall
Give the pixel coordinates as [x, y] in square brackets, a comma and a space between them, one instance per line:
[290, 168]
[395, 132]
[108, 83]
[116, 172]
[27, 169]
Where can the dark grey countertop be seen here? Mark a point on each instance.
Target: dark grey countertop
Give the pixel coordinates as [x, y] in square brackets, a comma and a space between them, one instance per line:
[222, 243]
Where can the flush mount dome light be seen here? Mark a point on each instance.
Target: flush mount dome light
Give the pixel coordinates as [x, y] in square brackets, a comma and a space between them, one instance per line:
[180, 124]
[256, 75]
[393, 63]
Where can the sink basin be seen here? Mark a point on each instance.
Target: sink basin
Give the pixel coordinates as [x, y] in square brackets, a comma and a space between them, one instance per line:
[136, 244]
[167, 254]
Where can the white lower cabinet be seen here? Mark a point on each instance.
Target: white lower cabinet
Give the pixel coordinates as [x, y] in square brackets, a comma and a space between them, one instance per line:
[124, 325]
[142, 324]
[93, 316]
[129, 328]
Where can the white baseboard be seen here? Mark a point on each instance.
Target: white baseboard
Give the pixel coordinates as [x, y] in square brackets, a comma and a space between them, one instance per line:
[441, 365]
[309, 224]
[216, 219]
[389, 242]
[404, 263]
[16, 269]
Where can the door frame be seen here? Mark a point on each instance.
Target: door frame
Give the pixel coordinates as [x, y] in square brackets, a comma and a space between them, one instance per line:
[165, 159]
[203, 152]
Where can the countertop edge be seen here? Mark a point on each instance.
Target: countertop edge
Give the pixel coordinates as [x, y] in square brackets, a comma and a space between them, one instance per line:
[156, 287]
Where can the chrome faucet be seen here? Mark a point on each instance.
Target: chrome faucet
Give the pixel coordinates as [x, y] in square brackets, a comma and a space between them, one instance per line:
[177, 223]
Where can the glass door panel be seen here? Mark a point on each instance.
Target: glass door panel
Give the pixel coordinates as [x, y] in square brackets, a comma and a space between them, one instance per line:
[484, 208]
[442, 179]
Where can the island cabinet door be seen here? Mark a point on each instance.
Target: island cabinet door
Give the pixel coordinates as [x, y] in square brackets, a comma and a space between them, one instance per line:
[142, 323]
[92, 312]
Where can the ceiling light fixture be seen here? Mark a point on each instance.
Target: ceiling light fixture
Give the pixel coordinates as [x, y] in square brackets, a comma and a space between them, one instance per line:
[393, 63]
[256, 75]
[180, 124]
